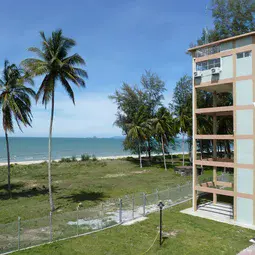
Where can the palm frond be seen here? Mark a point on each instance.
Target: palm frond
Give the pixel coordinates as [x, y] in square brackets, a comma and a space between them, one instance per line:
[67, 88]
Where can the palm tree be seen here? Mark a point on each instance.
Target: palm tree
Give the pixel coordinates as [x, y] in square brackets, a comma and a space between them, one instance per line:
[184, 125]
[164, 129]
[137, 130]
[56, 65]
[15, 103]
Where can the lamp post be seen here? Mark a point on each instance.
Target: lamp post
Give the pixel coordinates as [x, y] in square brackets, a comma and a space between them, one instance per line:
[160, 205]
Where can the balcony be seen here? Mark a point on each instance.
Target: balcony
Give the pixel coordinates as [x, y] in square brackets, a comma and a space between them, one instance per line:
[206, 51]
[215, 153]
[220, 86]
[224, 184]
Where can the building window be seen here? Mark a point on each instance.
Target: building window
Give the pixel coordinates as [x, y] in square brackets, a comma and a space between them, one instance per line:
[207, 65]
[245, 54]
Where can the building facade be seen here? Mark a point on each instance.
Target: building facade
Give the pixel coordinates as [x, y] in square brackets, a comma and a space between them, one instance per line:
[227, 67]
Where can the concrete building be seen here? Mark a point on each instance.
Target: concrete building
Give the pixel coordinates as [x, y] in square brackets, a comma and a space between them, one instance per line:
[227, 66]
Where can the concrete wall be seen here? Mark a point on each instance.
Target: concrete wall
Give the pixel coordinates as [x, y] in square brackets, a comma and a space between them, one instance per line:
[244, 210]
[244, 92]
[244, 181]
[243, 66]
[244, 150]
[244, 122]
[243, 41]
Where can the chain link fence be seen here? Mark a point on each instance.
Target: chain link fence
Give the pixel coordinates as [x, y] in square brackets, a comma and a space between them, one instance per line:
[27, 233]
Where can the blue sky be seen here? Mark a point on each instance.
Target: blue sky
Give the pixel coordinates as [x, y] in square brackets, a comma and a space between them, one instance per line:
[118, 40]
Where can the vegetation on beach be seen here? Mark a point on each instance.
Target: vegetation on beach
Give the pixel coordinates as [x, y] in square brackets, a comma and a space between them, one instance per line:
[186, 235]
[89, 182]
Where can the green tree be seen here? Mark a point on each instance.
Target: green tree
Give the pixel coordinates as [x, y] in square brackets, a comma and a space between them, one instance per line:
[164, 128]
[153, 88]
[56, 65]
[129, 99]
[230, 18]
[15, 103]
[137, 130]
[182, 107]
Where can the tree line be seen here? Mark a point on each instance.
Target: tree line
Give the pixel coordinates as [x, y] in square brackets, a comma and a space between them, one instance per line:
[149, 126]
[55, 65]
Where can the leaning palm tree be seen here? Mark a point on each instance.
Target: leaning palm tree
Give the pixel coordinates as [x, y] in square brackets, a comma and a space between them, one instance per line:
[15, 103]
[164, 129]
[137, 130]
[56, 65]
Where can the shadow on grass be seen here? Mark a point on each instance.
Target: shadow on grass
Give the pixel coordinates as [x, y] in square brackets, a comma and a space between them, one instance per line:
[84, 196]
[35, 191]
[13, 186]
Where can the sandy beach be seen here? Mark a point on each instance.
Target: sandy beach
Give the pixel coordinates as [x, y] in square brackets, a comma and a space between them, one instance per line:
[31, 162]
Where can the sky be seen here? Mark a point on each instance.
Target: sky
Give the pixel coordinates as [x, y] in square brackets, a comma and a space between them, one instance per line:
[119, 40]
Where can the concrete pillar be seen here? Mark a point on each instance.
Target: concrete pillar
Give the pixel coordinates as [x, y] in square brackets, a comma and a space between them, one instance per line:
[214, 145]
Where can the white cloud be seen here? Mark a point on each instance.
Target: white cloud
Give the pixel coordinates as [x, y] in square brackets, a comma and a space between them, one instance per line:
[93, 115]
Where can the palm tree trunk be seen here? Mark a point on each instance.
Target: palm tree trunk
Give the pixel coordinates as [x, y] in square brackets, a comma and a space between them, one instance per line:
[171, 153]
[163, 150]
[140, 155]
[8, 161]
[52, 208]
[182, 149]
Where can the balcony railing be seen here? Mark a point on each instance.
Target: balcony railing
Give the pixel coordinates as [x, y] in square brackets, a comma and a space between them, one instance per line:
[207, 51]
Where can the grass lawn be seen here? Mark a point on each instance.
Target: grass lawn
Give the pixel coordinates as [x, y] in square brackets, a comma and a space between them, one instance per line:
[189, 235]
[88, 182]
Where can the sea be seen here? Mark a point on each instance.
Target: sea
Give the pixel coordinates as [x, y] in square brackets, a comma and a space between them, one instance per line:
[32, 149]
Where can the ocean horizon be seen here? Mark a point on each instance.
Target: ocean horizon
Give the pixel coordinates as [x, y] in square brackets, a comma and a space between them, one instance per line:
[36, 148]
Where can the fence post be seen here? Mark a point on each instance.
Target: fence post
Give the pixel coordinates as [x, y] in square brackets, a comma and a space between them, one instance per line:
[19, 232]
[120, 210]
[133, 206]
[50, 226]
[144, 203]
[169, 193]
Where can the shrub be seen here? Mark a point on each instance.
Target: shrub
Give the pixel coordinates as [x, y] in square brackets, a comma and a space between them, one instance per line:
[65, 160]
[94, 158]
[74, 158]
[85, 157]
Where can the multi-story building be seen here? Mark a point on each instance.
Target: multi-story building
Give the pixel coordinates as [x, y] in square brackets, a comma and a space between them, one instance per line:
[226, 67]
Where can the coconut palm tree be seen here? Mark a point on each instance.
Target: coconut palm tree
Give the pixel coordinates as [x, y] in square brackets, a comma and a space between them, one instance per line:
[164, 128]
[56, 66]
[137, 130]
[15, 103]
[184, 126]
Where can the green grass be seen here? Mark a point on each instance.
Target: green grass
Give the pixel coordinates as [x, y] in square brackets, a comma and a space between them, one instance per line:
[190, 235]
[89, 182]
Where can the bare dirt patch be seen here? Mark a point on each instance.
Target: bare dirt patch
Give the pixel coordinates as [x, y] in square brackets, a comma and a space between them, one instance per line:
[122, 174]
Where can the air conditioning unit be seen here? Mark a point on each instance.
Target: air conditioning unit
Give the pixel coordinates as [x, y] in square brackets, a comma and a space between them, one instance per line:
[215, 70]
[197, 74]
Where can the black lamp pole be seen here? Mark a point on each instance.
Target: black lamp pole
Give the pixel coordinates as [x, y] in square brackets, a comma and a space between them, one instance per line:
[160, 205]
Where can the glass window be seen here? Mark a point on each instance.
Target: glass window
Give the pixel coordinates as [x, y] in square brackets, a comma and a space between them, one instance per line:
[239, 55]
[245, 54]
[207, 65]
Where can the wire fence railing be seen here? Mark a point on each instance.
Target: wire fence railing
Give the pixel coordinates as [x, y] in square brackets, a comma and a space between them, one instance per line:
[28, 233]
